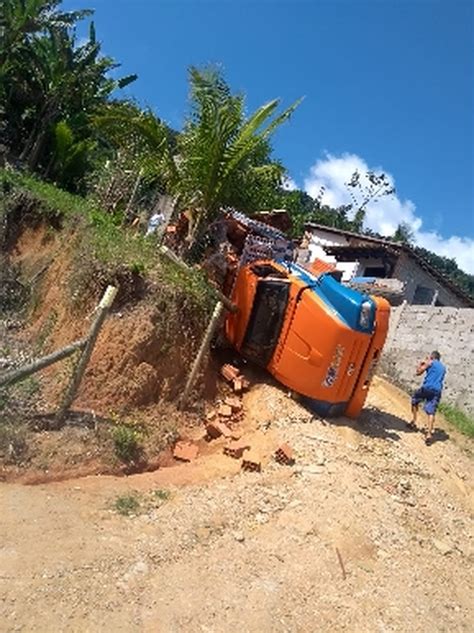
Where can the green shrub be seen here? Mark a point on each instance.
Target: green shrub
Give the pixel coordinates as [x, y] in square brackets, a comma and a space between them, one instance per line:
[161, 495]
[127, 504]
[13, 441]
[457, 418]
[126, 442]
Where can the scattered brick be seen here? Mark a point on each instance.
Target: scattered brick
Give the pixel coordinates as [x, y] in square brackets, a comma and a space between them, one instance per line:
[229, 372]
[211, 415]
[284, 455]
[185, 451]
[238, 385]
[225, 410]
[234, 403]
[236, 449]
[252, 463]
[216, 429]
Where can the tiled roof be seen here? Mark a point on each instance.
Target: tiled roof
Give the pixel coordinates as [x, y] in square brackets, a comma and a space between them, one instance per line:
[395, 248]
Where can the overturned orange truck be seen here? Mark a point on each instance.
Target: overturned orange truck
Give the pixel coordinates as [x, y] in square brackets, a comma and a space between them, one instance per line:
[314, 335]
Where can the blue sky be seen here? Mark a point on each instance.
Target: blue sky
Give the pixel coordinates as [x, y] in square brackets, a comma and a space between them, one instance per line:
[387, 84]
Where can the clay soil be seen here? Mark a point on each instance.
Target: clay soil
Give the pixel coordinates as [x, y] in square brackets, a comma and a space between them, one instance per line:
[369, 530]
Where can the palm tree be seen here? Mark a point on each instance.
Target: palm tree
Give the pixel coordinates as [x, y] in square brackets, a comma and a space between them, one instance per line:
[222, 154]
[222, 158]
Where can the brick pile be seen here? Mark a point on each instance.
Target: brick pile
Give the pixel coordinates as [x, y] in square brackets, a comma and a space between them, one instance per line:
[232, 375]
[222, 422]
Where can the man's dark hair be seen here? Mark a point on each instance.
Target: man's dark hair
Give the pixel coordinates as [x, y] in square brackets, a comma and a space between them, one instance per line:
[436, 355]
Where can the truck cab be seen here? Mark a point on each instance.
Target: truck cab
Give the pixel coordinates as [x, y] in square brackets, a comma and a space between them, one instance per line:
[314, 335]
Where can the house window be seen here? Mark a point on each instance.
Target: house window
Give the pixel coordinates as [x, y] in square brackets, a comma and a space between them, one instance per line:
[423, 296]
[375, 271]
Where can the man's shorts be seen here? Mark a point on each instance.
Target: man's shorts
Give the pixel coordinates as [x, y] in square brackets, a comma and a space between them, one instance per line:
[429, 396]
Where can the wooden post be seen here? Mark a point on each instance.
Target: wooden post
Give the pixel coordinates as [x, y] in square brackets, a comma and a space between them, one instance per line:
[102, 310]
[206, 341]
[15, 375]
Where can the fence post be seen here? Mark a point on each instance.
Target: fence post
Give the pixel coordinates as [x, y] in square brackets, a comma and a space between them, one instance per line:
[206, 341]
[102, 310]
[15, 375]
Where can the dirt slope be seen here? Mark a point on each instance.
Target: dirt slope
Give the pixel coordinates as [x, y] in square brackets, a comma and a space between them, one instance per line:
[232, 551]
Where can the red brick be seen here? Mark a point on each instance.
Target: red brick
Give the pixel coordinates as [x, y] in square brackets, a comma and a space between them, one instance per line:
[185, 451]
[237, 385]
[234, 403]
[229, 372]
[252, 463]
[284, 455]
[225, 410]
[236, 449]
[216, 429]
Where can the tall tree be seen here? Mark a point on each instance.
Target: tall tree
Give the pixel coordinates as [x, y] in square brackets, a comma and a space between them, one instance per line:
[46, 79]
[223, 157]
[403, 234]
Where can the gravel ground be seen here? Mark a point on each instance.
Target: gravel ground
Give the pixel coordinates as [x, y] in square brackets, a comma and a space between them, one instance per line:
[369, 531]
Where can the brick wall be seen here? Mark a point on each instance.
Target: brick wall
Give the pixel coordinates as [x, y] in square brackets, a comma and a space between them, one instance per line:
[415, 331]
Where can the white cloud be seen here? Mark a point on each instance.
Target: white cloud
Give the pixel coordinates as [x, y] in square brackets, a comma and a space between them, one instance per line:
[327, 180]
[459, 248]
[289, 184]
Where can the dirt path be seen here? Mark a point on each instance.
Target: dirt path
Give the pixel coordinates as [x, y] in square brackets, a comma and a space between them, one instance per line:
[232, 551]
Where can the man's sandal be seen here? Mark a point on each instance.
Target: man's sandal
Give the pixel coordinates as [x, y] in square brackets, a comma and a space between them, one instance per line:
[411, 425]
[429, 441]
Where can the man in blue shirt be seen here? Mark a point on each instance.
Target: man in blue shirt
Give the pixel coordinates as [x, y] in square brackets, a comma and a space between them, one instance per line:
[430, 392]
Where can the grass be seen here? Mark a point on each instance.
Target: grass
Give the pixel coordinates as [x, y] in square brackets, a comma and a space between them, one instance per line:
[13, 441]
[458, 418]
[127, 442]
[109, 241]
[103, 246]
[135, 503]
[52, 199]
[161, 495]
[127, 504]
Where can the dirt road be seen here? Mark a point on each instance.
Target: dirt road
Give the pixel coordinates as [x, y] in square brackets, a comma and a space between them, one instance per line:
[370, 531]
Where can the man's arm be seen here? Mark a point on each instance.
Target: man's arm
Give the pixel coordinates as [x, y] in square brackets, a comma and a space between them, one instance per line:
[423, 366]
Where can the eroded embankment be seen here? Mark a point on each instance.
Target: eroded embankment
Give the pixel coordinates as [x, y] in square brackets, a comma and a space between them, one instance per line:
[62, 262]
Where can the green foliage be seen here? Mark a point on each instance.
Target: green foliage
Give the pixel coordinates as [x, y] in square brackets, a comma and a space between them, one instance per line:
[221, 152]
[135, 503]
[161, 495]
[126, 442]
[458, 418]
[127, 504]
[52, 200]
[447, 266]
[48, 79]
[13, 440]
[192, 284]
[403, 234]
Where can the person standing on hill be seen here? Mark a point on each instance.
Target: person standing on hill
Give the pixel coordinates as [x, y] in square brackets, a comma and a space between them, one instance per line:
[429, 392]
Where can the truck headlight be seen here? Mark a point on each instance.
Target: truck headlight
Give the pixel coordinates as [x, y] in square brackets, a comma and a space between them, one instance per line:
[365, 314]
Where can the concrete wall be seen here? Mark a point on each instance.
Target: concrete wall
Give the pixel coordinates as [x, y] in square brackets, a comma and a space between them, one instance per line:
[415, 331]
[408, 271]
